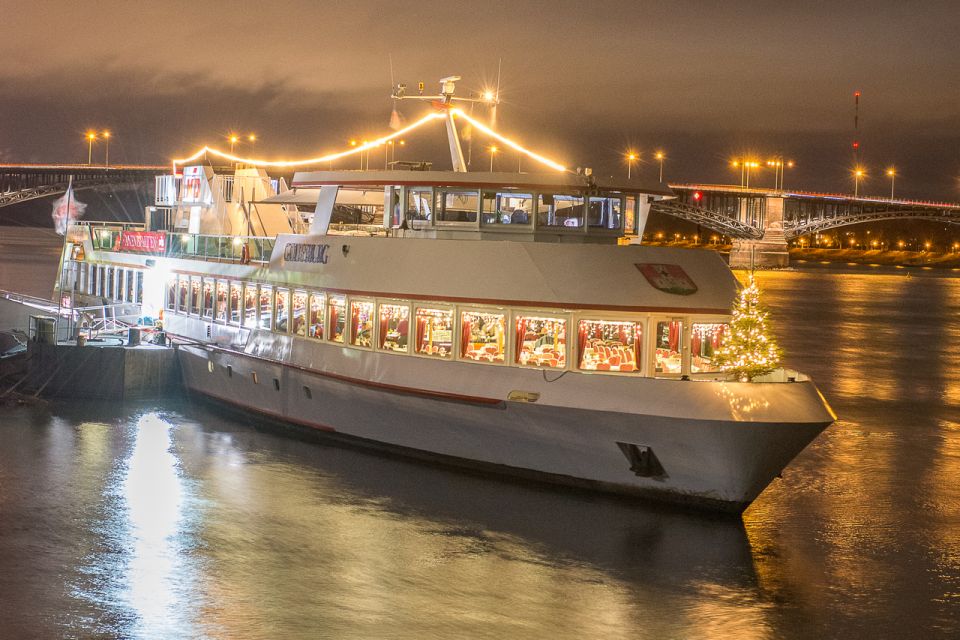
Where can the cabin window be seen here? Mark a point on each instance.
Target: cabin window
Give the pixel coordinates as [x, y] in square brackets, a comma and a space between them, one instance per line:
[337, 306]
[171, 304]
[705, 339]
[394, 327]
[222, 290]
[606, 345]
[97, 279]
[299, 304]
[207, 298]
[434, 332]
[482, 336]
[361, 323]
[235, 297]
[315, 329]
[605, 213]
[630, 216]
[507, 208]
[194, 295]
[419, 203]
[282, 310]
[541, 341]
[130, 293]
[555, 210]
[249, 304]
[183, 294]
[108, 283]
[393, 216]
[668, 340]
[457, 205]
[265, 306]
[138, 288]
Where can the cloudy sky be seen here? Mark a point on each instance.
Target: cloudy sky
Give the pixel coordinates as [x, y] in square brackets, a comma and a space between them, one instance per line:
[583, 81]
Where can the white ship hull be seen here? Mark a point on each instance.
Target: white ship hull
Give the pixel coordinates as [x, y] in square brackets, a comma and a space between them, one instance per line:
[467, 420]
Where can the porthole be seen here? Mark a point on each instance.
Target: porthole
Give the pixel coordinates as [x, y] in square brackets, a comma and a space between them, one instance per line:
[276, 384]
[210, 366]
[307, 392]
[229, 371]
[253, 375]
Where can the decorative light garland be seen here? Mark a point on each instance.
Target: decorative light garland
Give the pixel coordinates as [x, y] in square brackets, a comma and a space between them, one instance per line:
[436, 115]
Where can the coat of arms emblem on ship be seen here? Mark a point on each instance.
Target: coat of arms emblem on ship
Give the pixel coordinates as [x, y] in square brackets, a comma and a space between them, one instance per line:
[669, 278]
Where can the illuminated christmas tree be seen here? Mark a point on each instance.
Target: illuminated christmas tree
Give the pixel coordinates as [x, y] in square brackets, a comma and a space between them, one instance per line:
[748, 350]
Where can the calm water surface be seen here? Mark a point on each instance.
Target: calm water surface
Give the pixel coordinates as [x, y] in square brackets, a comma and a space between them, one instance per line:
[173, 520]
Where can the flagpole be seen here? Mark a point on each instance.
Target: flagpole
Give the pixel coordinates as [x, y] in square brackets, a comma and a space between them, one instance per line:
[63, 259]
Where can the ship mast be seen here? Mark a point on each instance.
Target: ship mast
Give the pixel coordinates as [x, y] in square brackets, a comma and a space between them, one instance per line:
[444, 102]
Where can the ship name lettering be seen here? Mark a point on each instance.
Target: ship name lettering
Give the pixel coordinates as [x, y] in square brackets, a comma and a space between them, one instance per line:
[299, 252]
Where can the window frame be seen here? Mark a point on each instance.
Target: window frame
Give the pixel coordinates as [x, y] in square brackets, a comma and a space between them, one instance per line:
[393, 302]
[507, 314]
[454, 333]
[544, 314]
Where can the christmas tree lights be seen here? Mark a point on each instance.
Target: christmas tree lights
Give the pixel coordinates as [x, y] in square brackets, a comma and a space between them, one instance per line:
[748, 350]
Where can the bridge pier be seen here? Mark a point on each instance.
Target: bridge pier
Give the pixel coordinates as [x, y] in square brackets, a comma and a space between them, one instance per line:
[770, 251]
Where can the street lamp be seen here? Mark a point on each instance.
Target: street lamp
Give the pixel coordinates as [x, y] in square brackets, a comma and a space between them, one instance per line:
[493, 152]
[106, 139]
[659, 156]
[857, 174]
[631, 158]
[234, 138]
[892, 172]
[91, 136]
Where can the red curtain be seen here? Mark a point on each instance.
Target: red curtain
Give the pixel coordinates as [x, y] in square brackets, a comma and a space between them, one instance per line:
[582, 339]
[637, 344]
[465, 334]
[421, 332]
[334, 320]
[695, 343]
[674, 338]
[521, 331]
[384, 326]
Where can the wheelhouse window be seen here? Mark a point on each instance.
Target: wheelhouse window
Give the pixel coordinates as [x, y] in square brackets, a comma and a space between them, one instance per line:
[394, 327]
[605, 213]
[194, 295]
[361, 323]
[482, 336]
[668, 340]
[108, 283]
[606, 345]
[434, 332]
[315, 328]
[507, 208]
[556, 210]
[419, 205]
[337, 306]
[630, 216]
[299, 304]
[235, 297]
[705, 339]
[171, 303]
[265, 306]
[249, 304]
[207, 298]
[456, 205]
[282, 310]
[541, 341]
[130, 292]
[222, 290]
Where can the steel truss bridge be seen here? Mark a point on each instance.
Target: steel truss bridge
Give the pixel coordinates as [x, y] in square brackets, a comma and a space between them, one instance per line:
[749, 214]
[22, 182]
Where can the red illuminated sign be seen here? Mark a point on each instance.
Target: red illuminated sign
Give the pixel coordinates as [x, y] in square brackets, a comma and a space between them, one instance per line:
[143, 241]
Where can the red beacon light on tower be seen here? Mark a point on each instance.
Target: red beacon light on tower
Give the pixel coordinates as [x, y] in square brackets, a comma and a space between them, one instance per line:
[697, 195]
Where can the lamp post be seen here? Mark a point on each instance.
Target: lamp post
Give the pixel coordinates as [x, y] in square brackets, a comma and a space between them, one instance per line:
[631, 158]
[659, 156]
[234, 138]
[106, 139]
[91, 136]
[493, 152]
[857, 174]
[892, 172]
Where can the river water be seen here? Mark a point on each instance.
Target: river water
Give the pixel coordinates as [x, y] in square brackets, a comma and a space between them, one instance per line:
[173, 520]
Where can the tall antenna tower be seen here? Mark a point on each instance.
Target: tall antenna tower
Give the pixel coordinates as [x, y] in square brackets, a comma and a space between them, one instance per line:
[856, 128]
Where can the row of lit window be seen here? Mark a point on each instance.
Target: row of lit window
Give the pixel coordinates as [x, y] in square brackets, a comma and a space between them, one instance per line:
[443, 331]
[116, 283]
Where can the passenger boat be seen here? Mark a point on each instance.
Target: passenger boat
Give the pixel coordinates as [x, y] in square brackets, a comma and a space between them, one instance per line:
[509, 322]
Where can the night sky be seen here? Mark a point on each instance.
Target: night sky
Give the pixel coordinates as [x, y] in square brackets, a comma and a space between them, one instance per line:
[582, 81]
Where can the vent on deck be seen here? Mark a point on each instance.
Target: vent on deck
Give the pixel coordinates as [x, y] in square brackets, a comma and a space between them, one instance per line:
[643, 461]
